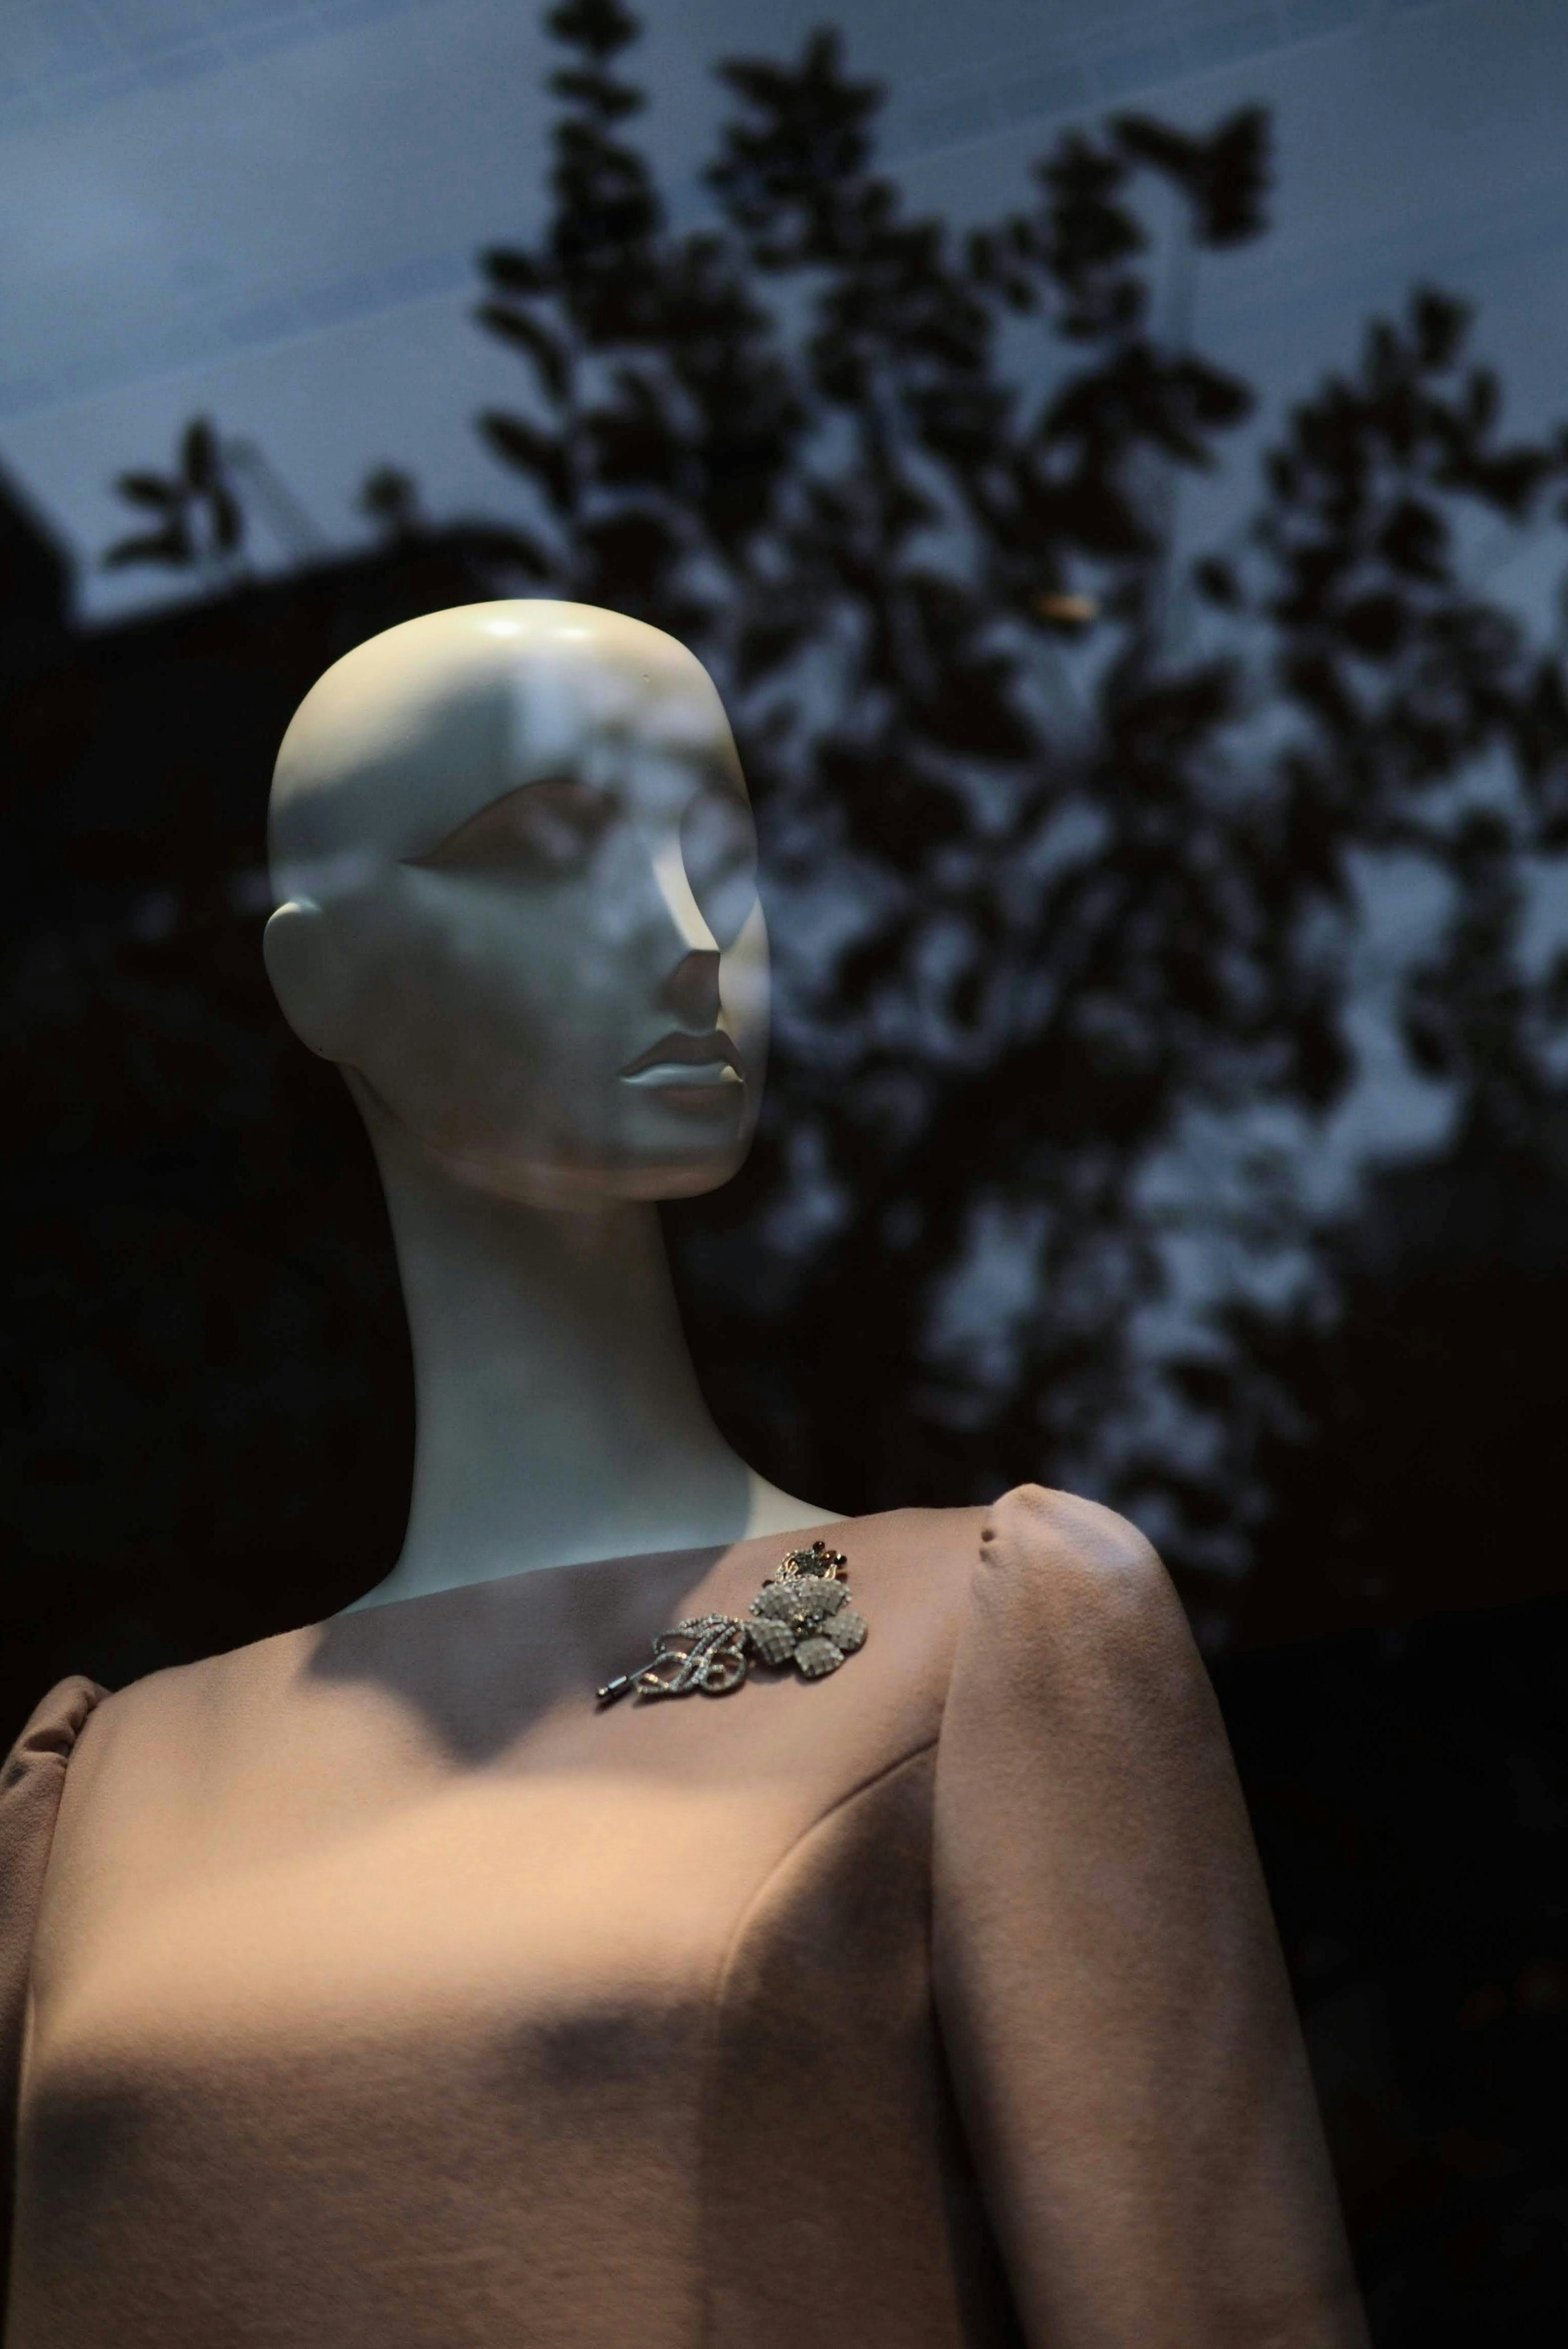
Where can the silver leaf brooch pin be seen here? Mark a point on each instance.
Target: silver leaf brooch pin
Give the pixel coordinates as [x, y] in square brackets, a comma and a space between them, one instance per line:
[801, 1616]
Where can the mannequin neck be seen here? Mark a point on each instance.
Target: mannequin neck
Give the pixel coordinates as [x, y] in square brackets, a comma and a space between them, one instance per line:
[557, 1413]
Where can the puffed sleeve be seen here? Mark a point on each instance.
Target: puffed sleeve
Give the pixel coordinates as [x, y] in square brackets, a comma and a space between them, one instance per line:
[1112, 1997]
[30, 1786]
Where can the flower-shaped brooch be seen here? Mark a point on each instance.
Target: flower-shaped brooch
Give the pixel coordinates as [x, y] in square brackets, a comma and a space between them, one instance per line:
[801, 1616]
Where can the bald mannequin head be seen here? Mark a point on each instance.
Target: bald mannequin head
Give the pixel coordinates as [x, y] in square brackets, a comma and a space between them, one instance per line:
[412, 733]
[512, 848]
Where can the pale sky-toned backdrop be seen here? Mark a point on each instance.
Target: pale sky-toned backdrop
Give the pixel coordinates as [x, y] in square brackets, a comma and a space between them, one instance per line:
[267, 209]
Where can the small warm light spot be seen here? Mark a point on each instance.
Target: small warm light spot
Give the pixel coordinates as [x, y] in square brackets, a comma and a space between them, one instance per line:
[1067, 611]
[502, 627]
[1541, 1988]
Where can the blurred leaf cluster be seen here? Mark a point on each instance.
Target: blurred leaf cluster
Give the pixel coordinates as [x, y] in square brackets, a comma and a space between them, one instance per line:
[200, 520]
[1071, 830]
[1079, 831]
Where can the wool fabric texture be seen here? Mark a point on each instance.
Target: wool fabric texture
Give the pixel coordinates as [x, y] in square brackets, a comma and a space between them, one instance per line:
[369, 1986]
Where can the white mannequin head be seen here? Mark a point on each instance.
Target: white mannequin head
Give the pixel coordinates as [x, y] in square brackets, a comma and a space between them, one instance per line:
[515, 857]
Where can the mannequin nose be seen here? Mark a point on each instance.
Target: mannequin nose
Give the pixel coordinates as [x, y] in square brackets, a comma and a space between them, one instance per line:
[691, 989]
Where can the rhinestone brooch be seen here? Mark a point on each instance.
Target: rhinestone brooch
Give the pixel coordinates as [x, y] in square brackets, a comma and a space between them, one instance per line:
[801, 1616]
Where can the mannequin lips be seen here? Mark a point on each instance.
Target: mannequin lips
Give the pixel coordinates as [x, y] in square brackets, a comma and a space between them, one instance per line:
[687, 1063]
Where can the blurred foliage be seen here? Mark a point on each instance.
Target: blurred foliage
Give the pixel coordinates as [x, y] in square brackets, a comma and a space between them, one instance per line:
[200, 520]
[1073, 834]
[391, 499]
[1070, 834]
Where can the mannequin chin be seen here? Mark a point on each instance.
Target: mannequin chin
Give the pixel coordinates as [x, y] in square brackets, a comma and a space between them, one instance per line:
[518, 908]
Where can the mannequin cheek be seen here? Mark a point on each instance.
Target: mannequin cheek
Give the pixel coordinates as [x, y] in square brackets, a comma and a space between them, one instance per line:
[452, 1065]
[744, 994]
[484, 1059]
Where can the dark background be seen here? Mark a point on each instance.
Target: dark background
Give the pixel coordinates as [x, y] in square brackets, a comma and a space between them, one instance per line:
[1096, 826]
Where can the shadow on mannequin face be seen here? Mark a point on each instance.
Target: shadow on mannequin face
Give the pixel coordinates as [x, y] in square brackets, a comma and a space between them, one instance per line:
[520, 902]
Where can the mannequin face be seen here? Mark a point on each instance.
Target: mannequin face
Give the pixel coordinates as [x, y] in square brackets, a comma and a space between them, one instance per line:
[534, 938]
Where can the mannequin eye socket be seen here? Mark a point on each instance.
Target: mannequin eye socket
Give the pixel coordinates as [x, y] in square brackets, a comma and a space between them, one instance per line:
[719, 850]
[551, 826]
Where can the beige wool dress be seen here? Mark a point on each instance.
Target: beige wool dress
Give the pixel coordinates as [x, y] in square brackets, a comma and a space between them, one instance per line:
[369, 1987]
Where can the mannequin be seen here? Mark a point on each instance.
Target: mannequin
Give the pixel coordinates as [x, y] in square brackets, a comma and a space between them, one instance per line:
[377, 1984]
[515, 857]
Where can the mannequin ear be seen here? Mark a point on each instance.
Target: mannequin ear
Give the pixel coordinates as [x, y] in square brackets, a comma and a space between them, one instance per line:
[307, 976]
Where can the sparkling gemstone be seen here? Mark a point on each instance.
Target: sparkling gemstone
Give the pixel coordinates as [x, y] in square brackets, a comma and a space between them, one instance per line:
[770, 1642]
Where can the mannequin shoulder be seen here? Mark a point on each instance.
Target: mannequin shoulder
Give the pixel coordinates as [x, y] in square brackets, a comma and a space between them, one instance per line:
[1034, 1567]
[49, 1737]
[1060, 1538]
[1049, 1541]
[32, 1782]
[179, 1716]
[1074, 1662]
[1055, 1567]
